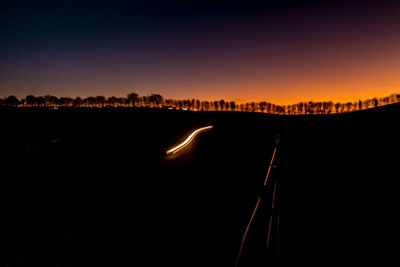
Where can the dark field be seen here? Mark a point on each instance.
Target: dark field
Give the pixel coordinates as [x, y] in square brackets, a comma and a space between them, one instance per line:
[82, 187]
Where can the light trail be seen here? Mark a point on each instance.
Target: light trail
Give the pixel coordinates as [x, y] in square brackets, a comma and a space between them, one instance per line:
[187, 141]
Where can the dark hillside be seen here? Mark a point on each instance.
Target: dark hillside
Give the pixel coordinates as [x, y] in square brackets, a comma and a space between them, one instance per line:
[93, 187]
[339, 189]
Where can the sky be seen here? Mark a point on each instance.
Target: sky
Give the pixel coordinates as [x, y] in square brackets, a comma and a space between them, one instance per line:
[283, 51]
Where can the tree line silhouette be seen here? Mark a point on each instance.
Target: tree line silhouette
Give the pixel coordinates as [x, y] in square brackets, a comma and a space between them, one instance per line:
[158, 101]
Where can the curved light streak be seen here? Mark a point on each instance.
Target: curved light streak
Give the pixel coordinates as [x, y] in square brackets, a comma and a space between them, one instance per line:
[187, 141]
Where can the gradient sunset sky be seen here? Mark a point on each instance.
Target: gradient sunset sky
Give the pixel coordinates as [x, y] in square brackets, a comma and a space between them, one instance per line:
[279, 51]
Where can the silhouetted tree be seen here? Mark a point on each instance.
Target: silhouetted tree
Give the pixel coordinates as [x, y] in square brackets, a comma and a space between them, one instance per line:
[66, 101]
[78, 101]
[41, 101]
[348, 106]
[90, 101]
[323, 107]
[263, 106]
[215, 105]
[156, 99]
[318, 107]
[100, 100]
[232, 105]
[31, 100]
[310, 107]
[337, 106]
[198, 106]
[11, 100]
[253, 106]
[221, 104]
[354, 106]
[375, 102]
[111, 101]
[289, 109]
[143, 101]
[207, 106]
[329, 107]
[132, 99]
[122, 101]
[186, 103]
[51, 100]
[269, 108]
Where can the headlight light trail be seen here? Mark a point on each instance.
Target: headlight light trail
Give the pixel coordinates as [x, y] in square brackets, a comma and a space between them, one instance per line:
[187, 141]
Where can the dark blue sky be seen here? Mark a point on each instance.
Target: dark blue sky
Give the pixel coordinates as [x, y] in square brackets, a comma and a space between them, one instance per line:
[244, 50]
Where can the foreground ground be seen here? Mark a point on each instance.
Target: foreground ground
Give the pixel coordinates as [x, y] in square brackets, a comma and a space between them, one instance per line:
[94, 188]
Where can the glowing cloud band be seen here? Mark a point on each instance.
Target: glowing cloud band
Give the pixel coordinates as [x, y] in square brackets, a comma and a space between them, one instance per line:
[187, 141]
